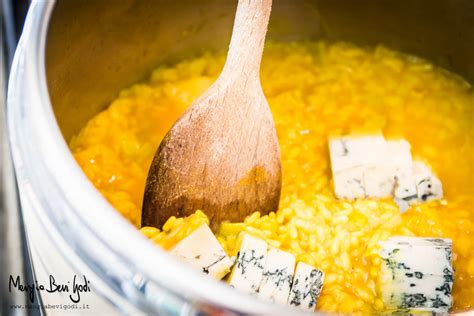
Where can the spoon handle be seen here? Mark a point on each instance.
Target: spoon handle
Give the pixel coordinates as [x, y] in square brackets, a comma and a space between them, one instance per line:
[248, 39]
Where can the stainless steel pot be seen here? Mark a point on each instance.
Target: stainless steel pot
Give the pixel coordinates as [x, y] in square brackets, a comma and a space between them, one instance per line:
[73, 58]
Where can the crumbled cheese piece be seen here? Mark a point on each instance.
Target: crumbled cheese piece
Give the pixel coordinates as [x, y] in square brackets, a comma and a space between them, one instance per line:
[417, 185]
[307, 286]
[417, 274]
[247, 271]
[428, 186]
[277, 276]
[202, 250]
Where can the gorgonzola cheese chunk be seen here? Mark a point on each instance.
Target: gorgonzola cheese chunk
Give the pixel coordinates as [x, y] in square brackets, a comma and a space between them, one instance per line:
[365, 166]
[306, 288]
[202, 250]
[417, 274]
[247, 271]
[371, 167]
[418, 184]
[277, 276]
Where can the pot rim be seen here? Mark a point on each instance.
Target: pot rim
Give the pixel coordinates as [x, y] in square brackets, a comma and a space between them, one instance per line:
[35, 131]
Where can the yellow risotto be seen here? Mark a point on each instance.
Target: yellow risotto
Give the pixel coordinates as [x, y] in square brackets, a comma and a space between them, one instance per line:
[314, 90]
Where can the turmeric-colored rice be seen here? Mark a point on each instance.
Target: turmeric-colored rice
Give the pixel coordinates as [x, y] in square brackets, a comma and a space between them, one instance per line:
[314, 89]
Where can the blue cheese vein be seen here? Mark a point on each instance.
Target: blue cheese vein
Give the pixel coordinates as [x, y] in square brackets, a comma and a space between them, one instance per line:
[306, 288]
[202, 250]
[247, 271]
[417, 274]
[277, 276]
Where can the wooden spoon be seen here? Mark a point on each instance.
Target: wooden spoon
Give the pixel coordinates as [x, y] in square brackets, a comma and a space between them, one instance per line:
[222, 155]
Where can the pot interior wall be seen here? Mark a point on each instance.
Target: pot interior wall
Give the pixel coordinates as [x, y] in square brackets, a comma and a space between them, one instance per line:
[97, 48]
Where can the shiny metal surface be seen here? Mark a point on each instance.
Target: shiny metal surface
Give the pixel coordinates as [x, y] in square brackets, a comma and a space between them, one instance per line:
[92, 49]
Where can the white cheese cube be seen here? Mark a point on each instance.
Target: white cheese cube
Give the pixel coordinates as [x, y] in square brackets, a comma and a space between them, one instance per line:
[247, 271]
[202, 250]
[306, 288]
[277, 276]
[349, 184]
[354, 151]
[417, 274]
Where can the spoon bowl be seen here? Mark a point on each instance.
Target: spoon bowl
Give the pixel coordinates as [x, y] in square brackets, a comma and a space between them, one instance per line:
[222, 155]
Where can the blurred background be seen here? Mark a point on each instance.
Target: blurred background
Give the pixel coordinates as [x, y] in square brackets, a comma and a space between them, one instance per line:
[13, 254]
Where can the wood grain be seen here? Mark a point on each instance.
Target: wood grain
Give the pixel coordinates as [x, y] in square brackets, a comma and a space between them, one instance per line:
[222, 155]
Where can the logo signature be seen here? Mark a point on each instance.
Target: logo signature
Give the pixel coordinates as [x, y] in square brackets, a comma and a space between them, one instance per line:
[78, 286]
